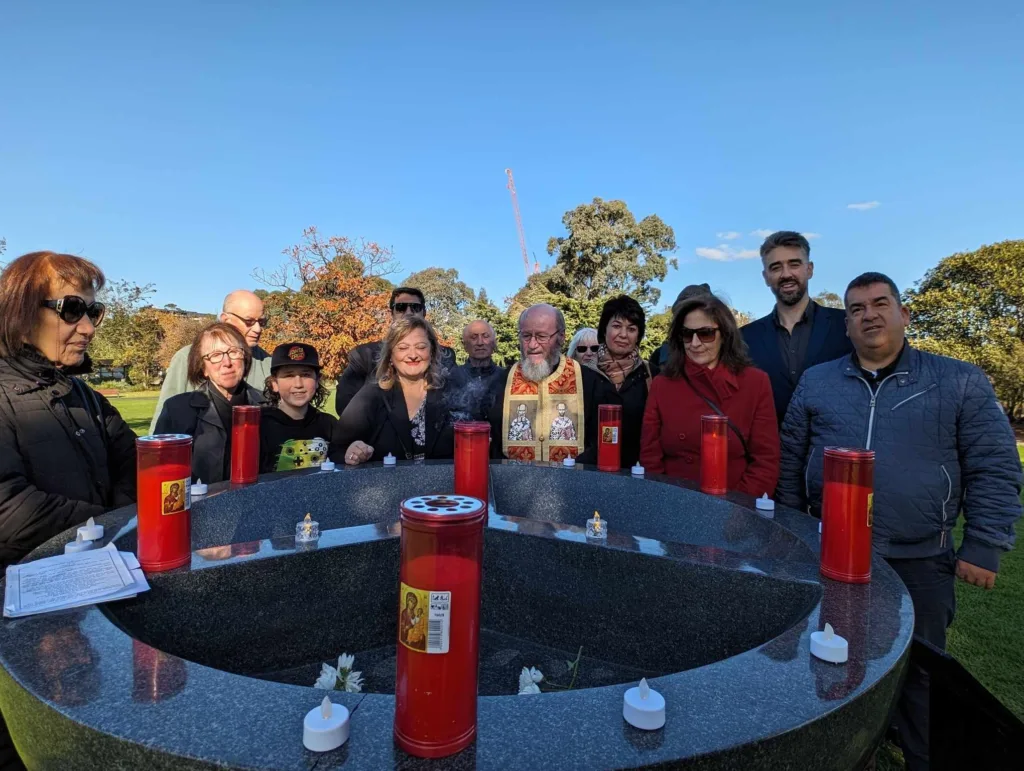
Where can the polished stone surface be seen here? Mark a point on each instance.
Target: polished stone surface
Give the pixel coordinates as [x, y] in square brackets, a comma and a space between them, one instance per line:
[715, 599]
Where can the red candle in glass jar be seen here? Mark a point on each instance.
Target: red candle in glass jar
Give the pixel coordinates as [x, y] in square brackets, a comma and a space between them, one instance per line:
[609, 437]
[847, 514]
[438, 624]
[164, 469]
[245, 445]
[714, 454]
[472, 458]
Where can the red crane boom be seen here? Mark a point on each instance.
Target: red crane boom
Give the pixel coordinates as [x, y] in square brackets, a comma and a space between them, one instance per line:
[519, 226]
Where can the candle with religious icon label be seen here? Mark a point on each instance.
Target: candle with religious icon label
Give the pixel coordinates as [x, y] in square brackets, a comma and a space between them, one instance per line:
[472, 458]
[245, 445]
[164, 480]
[609, 437]
[438, 624]
[846, 514]
[714, 454]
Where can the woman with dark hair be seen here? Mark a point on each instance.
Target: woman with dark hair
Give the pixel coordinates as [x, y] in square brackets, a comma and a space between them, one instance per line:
[65, 453]
[405, 412]
[218, 362]
[709, 372]
[625, 377]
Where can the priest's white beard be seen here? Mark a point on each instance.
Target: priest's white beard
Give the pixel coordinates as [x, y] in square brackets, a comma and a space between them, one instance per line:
[537, 371]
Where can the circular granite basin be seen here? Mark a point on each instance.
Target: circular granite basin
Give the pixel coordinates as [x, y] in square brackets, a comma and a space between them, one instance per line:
[710, 601]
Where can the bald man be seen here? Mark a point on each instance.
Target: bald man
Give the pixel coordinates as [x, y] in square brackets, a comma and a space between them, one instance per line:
[545, 386]
[243, 310]
[473, 384]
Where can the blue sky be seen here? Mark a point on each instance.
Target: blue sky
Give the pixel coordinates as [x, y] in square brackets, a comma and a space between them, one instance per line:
[186, 143]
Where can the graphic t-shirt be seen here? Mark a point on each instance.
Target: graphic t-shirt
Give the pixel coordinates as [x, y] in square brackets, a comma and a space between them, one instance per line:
[290, 445]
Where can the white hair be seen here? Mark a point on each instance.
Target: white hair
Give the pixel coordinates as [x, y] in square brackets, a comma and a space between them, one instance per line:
[578, 338]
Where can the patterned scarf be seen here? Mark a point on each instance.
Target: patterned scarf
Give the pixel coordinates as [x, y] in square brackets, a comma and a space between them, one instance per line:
[617, 370]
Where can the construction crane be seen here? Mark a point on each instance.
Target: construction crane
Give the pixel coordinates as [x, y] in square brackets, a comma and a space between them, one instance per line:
[519, 226]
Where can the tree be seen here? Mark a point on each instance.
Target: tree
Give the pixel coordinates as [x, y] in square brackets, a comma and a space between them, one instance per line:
[329, 293]
[131, 334]
[829, 300]
[179, 330]
[607, 252]
[448, 300]
[971, 306]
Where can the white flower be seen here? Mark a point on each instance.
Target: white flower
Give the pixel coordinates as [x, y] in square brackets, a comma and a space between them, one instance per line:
[346, 662]
[353, 682]
[528, 680]
[328, 678]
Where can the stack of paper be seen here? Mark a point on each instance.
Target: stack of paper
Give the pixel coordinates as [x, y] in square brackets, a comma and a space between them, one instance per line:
[72, 580]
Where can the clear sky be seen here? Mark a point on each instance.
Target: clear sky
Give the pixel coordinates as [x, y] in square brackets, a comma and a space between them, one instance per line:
[186, 143]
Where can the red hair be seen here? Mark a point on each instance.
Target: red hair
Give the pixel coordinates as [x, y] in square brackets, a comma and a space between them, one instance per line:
[26, 283]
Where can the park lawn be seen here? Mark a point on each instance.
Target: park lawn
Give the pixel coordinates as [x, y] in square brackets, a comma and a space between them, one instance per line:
[987, 636]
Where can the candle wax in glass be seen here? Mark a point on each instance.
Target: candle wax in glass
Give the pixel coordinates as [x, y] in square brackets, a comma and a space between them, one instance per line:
[165, 539]
[472, 456]
[846, 536]
[245, 453]
[609, 445]
[714, 460]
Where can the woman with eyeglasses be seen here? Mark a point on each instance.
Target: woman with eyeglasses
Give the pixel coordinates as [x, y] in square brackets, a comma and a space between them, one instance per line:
[218, 362]
[709, 372]
[584, 346]
[65, 453]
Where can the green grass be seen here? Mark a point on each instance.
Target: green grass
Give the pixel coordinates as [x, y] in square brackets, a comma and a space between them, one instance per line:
[987, 636]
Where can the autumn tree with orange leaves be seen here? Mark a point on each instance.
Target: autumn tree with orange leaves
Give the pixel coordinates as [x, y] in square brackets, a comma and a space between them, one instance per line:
[330, 293]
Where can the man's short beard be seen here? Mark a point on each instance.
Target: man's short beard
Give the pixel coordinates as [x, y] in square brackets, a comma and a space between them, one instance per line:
[535, 372]
[790, 300]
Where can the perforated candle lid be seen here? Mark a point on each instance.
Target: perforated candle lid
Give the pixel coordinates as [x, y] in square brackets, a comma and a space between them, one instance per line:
[164, 439]
[442, 508]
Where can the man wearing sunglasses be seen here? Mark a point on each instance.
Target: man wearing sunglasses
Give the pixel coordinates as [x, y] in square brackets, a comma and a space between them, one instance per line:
[798, 333]
[242, 310]
[362, 360]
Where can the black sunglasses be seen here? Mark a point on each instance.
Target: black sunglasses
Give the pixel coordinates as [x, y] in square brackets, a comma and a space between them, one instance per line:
[71, 308]
[403, 307]
[586, 348]
[705, 334]
[249, 323]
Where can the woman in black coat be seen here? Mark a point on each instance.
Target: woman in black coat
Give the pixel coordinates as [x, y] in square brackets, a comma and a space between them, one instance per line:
[65, 453]
[625, 377]
[218, 362]
[405, 412]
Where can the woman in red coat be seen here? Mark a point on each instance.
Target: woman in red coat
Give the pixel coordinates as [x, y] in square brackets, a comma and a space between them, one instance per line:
[708, 367]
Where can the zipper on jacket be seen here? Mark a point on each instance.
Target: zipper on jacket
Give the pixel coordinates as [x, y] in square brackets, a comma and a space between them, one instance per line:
[874, 401]
[949, 494]
[911, 398]
[807, 475]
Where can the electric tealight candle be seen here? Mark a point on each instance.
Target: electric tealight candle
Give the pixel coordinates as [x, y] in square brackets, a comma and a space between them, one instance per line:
[198, 488]
[326, 727]
[327, 465]
[644, 708]
[597, 527]
[390, 460]
[78, 545]
[638, 470]
[90, 531]
[828, 646]
[569, 462]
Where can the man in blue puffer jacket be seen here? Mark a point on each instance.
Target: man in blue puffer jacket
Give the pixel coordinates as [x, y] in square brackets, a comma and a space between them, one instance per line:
[942, 445]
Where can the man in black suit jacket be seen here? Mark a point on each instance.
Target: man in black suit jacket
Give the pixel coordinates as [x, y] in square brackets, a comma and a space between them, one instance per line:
[362, 360]
[798, 333]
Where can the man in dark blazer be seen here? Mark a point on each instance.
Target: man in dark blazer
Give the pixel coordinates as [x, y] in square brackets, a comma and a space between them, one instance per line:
[798, 333]
[362, 360]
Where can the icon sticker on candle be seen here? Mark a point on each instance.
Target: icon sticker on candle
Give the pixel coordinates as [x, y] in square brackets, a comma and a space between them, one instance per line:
[425, 620]
[176, 496]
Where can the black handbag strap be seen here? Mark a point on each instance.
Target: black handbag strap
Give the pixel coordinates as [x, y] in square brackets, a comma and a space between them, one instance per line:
[746, 452]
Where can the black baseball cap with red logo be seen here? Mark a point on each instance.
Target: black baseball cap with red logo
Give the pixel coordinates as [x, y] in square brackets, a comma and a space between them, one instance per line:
[294, 354]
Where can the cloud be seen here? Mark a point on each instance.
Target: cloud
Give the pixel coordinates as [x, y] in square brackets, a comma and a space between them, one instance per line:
[863, 206]
[729, 235]
[762, 233]
[725, 253]
[811, 236]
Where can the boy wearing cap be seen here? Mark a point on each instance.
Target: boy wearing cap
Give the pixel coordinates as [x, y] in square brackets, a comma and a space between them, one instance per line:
[294, 433]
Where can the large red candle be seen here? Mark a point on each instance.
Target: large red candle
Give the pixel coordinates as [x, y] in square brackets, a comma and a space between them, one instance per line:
[846, 515]
[245, 445]
[472, 456]
[165, 500]
[609, 437]
[438, 624]
[714, 454]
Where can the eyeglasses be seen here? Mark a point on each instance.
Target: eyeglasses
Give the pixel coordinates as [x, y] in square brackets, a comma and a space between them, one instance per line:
[405, 307]
[216, 357]
[541, 338]
[262, 321]
[71, 308]
[588, 348]
[704, 334]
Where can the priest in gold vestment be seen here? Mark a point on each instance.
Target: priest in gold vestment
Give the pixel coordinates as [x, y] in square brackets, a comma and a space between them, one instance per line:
[547, 407]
